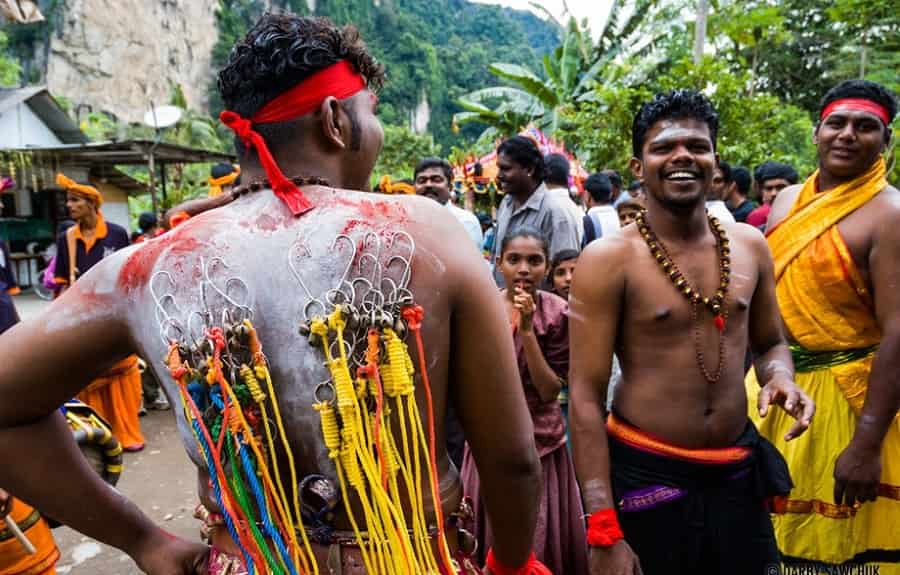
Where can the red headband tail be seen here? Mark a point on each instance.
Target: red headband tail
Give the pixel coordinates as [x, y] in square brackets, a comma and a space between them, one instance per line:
[339, 81]
[859, 105]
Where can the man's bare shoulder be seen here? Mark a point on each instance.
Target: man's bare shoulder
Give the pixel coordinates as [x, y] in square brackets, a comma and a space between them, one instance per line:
[882, 213]
[745, 234]
[609, 254]
[782, 204]
[886, 204]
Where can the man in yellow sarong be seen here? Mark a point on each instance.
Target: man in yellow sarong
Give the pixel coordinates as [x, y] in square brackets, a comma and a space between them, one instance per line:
[836, 246]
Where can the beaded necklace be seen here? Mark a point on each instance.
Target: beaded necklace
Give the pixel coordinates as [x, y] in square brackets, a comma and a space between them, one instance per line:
[715, 304]
[262, 183]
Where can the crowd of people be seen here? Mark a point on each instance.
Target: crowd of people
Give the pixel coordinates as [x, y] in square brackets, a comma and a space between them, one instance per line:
[696, 373]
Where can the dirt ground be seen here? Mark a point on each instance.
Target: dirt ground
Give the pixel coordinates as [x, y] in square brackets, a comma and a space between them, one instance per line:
[159, 479]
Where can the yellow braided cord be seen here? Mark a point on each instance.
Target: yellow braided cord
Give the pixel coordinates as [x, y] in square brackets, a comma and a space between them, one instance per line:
[385, 515]
[262, 372]
[423, 442]
[364, 550]
[402, 384]
[238, 422]
[402, 372]
[349, 441]
[259, 397]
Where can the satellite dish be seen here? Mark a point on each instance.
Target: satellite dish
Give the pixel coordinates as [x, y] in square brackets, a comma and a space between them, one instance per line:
[162, 116]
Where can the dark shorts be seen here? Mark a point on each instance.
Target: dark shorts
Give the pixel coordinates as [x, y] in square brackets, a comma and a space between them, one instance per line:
[697, 511]
[717, 530]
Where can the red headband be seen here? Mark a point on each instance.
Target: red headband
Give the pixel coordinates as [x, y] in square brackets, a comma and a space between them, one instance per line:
[339, 80]
[859, 105]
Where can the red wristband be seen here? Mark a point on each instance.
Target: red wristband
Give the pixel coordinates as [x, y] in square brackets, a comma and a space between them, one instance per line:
[531, 567]
[603, 529]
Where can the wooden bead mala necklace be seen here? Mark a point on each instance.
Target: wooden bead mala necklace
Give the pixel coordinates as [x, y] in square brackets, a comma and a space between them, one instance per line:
[715, 304]
[262, 184]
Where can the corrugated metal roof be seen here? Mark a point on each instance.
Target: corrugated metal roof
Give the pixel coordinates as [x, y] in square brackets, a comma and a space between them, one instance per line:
[46, 108]
[130, 152]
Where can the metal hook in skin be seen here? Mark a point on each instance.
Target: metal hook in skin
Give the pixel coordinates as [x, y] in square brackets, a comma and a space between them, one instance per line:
[407, 275]
[163, 317]
[312, 302]
[207, 279]
[353, 251]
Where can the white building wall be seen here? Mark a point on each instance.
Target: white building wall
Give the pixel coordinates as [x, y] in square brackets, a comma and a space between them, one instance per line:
[20, 127]
[115, 205]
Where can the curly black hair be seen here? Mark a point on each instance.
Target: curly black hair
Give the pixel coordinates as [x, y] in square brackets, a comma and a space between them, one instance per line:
[865, 90]
[524, 152]
[677, 104]
[283, 49]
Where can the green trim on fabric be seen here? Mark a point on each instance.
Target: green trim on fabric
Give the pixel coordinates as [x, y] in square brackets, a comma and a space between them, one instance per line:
[24, 525]
[806, 361]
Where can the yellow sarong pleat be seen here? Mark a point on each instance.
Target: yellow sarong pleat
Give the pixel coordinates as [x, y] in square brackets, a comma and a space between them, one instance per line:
[813, 527]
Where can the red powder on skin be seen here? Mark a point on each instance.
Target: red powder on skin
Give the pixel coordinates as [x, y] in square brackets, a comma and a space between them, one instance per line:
[136, 271]
[352, 225]
[377, 209]
[267, 223]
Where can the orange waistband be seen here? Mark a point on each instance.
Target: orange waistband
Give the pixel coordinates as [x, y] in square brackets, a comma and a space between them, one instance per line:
[646, 442]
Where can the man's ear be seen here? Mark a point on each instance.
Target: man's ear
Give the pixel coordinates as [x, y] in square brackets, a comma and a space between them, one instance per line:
[334, 126]
[815, 134]
[637, 167]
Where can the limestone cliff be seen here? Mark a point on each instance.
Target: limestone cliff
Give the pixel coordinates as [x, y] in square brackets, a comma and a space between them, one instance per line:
[119, 55]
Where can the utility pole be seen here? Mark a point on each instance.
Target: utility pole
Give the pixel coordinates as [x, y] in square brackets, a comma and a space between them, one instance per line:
[700, 31]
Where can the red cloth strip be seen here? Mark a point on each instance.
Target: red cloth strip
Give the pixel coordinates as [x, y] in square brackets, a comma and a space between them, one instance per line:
[339, 81]
[603, 529]
[531, 567]
[858, 105]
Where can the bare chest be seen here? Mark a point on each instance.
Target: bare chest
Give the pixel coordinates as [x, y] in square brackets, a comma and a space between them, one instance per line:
[659, 306]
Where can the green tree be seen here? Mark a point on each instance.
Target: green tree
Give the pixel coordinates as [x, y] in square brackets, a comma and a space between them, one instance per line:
[570, 72]
[402, 151]
[752, 128]
[507, 109]
[9, 66]
[750, 26]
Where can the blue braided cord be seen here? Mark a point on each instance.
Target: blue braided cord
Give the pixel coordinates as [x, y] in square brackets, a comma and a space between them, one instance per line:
[199, 394]
[215, 394]
[217, 490]
[269, 529]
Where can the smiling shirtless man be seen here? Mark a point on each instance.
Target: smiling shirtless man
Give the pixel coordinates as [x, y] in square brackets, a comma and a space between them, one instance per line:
[303, 85]
[678, 297]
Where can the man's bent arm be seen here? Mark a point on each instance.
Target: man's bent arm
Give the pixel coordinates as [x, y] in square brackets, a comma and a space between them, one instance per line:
[491, 405]
[44, 363]
[594, 305]
[883, 394]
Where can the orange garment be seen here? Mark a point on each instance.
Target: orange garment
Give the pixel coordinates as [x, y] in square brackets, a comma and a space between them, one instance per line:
[116, 397]
[830, 314]
[13, 558]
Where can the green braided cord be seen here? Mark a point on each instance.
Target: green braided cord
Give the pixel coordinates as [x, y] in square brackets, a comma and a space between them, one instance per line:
[245, 399]
[240, 491]
[216, 428]
[806, 360]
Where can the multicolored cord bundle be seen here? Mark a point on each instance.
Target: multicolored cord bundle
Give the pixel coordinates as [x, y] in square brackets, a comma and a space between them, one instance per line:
[238, 426]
